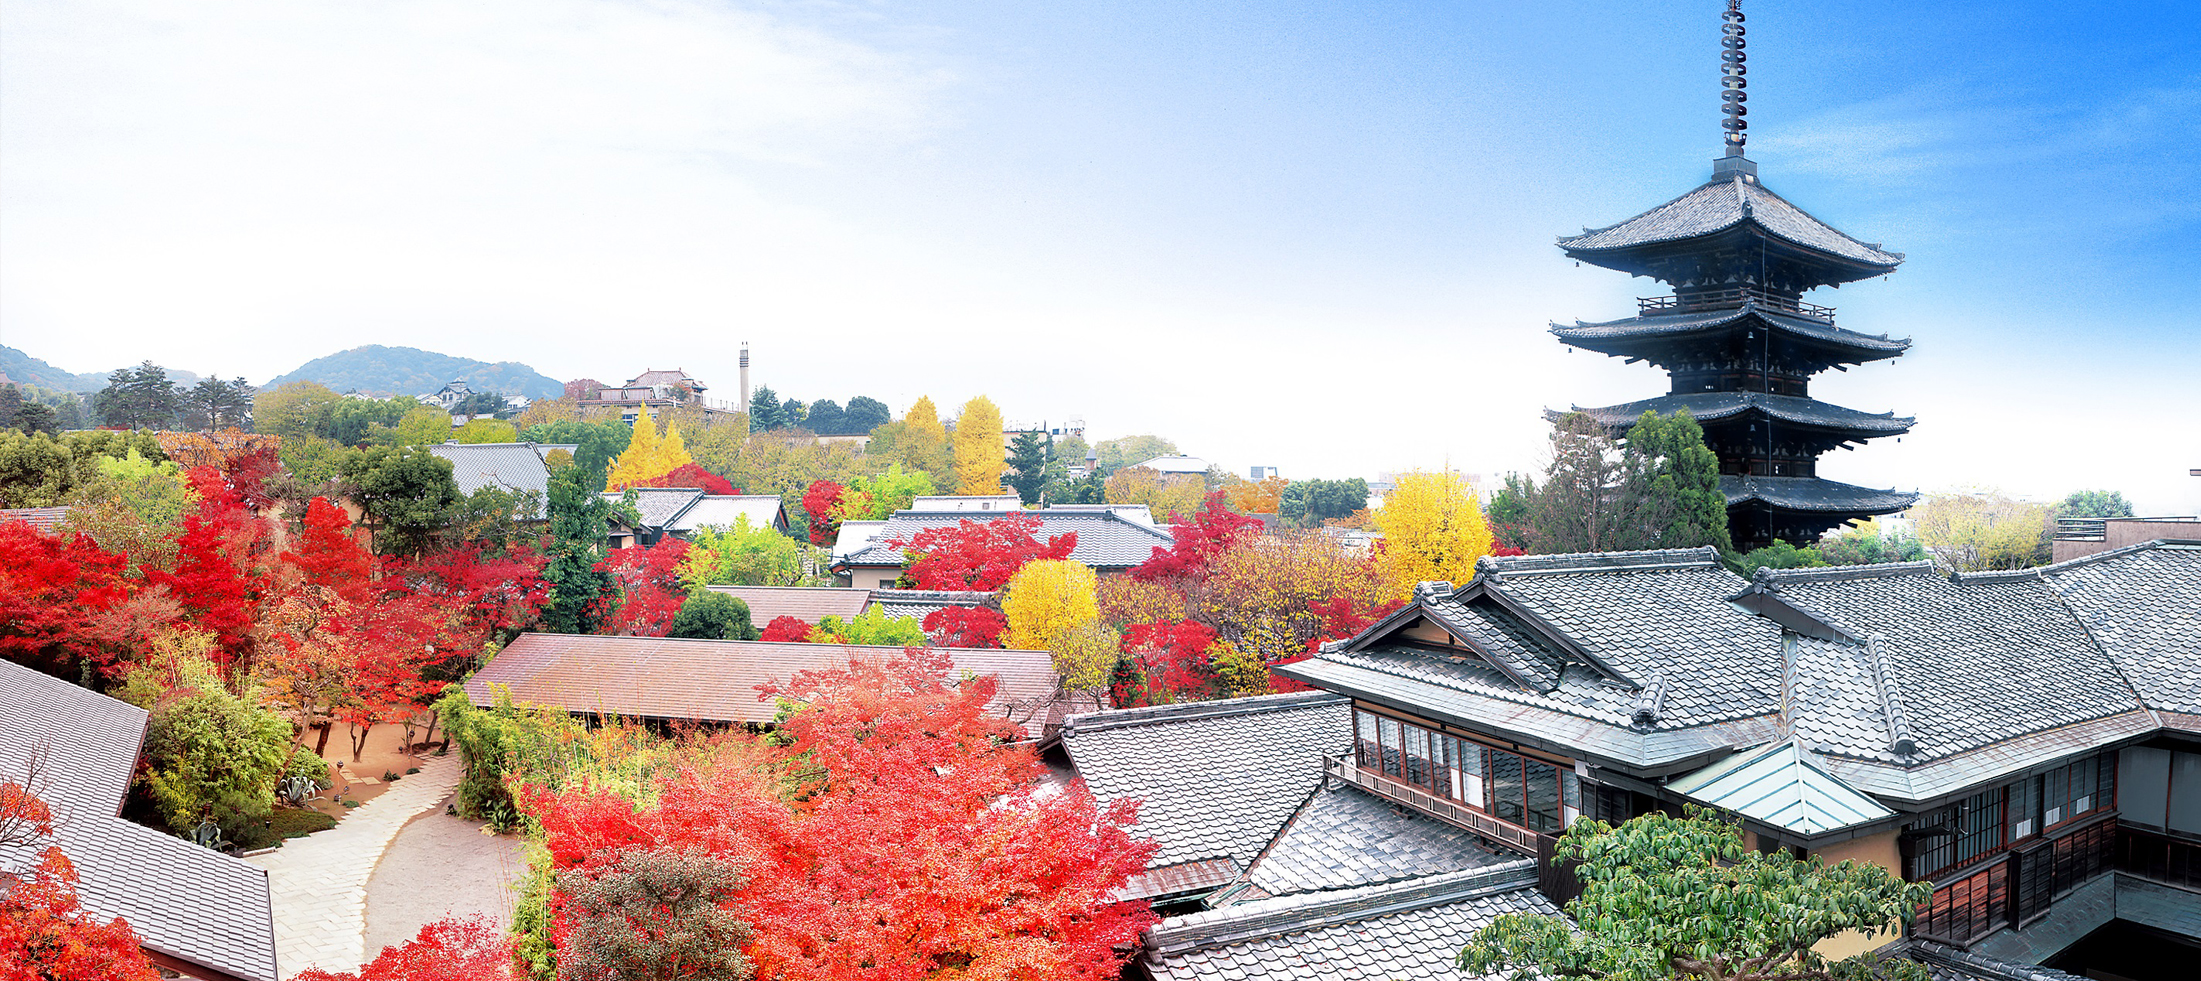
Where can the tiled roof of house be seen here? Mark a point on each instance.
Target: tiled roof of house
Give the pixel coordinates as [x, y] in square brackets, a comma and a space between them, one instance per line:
[663, 377]
[1723, 204]
[507, 466]
[714, 680]
[1218, 779]
[1713, 406]
[660, 506]
[1106, 540]
[1946, 963]
[1682, 324]
[917, 604]
[855, 536]
[2143, 606]
[1784, 785]
[806, 603]
[1409, 929]
[1345, 837]
[187, 902]
[46, 520]
[724, 510]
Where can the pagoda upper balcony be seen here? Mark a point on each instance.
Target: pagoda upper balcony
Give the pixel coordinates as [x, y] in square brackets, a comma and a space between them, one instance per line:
[1697, 301]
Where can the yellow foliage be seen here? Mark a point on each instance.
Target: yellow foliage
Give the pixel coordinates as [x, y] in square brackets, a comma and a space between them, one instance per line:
[1433, 529]
[923, 441]
[1978, 531]
[1048, 603]
[1250, 497]
[1167, 495]
[486, 431]
[648, 455]
[979, 457]
[1240, 672]
[1258, 596]
[1125, 601]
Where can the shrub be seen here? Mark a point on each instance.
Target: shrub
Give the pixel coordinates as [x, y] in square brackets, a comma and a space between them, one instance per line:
[212, 754]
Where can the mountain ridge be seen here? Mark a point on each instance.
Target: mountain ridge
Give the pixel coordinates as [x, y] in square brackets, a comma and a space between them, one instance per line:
[377, 369]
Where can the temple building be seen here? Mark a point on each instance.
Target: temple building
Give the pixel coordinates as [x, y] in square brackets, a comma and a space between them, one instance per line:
[1739, 341]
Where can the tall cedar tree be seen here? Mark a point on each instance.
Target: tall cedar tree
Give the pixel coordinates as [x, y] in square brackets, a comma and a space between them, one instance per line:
[981, 555]
[580, 531]
[139, 398]
[979, 460]
[1679, 467]
[901, 838]
[764, 410]
[1028, 466]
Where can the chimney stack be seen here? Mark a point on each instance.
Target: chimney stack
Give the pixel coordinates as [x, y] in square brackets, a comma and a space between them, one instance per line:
[744, 406]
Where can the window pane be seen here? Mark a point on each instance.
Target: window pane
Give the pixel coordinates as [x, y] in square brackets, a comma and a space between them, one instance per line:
[2144, 785]
[1390, 731]
[1543, 796]
[1417, 756]
[2025, 818]
[1471, 775]
[2082, 786]
[1570, 787]
[2185, 793]
[1505, 786]
[1981, 830]
[1364, 742]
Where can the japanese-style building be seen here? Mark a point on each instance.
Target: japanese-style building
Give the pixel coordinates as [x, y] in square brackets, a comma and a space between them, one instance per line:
[1738, 340]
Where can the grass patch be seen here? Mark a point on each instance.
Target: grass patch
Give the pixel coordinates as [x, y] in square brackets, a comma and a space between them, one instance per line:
[286, 822]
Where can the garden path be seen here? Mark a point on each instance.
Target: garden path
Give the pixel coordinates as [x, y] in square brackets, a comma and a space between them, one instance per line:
[318, 884]
[441, 866]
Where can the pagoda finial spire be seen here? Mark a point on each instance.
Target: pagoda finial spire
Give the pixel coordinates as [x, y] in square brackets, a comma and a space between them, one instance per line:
[1732, 81]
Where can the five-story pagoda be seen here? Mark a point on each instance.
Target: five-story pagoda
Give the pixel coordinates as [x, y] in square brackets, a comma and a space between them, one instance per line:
[1738, 339]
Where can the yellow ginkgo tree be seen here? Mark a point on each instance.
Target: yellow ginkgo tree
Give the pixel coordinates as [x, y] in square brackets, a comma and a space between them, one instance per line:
[648, 456]
[1433, 529]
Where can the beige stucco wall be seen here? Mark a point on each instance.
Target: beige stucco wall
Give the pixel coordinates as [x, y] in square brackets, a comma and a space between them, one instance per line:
[1877, 850]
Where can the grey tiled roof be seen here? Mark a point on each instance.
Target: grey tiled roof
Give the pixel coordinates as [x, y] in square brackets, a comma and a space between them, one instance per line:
[660, 506]
[1218, 779]
[1813, 494]
[1712, 406]
[2143, 605]
[508, 466]
[917, 604]
[1106, 540]
[1675, 325]
[1946, 963]
[184, 901]
[1513, 648]
[1401, 930]
[1345, 837]
[1722, 204]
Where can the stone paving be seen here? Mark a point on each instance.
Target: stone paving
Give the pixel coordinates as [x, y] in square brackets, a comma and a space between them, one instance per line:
[441, 866]
[318, 884]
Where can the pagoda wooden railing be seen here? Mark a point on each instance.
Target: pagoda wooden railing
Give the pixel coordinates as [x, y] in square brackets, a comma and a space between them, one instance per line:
[1729, 299]
[1510, 835]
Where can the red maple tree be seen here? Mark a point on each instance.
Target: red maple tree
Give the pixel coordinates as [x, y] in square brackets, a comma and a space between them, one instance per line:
[650, 590]
[1210, 531]
[52, 594]
[450, 949]
[821, 501]
[786, 629]
[981, 555]
[909, 842]
[1174, 657]
[223, 563]
[966, 626]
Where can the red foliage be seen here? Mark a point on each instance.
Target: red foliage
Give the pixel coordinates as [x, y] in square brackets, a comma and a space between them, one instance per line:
[480, 591]
[1502, 551]
[981, 555]
[820, 502]
[915, 840]
[222, 563]
[786, 629]
[45, 933]
[650, 590]
[1174, 657]
[326, 554]
[52, 592]
[688, 475]
[1341, 620]
[1212, 530]
[450, 949]
[966, 626]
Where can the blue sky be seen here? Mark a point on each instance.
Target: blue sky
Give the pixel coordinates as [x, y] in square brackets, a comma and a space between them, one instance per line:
[1316, 236]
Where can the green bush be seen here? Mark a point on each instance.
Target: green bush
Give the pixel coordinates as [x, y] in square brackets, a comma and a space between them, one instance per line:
[285, 823]
[213, 754]
[499, 740]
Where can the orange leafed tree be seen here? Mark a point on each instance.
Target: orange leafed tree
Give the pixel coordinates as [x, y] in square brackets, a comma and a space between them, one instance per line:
[45, 933]
[894, 837]
[470, 949]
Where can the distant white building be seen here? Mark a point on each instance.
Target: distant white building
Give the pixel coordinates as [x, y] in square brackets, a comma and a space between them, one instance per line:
[1177, 465]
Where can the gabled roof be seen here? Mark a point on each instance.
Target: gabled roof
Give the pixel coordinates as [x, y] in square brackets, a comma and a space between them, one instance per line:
[855, 536]
[1723, 204]
[806, 603]
[186, 902]
[714, 680]
[1346, 837]
[1814, 494]
[1598, 335]
[1714, 406]
[1106, 539]
[507, 466]
[724, 510]
[663, 377]
[660, 506]
[1784, 785]
[1218, 779]
[917, 604]
[1409, 929]
[2143, 607]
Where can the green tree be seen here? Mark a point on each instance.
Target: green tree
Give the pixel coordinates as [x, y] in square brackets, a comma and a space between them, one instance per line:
[874, 627]
[2095, 504]
[743, 556]
[664, 912]
[1673, 464]
[580, 537]
[826, 418]
[294, 410]
[865, 414]
[1028, 457]
[486, 431]
[1865, 542]
[1666, 897]
[423, 426]
[355, 422]
[213, 754]
[1779, 555]
[1982, 530]
[139, 398]
[708, 615]
[1308, 503]
[597, 443]
[216, 404]
[408, 493]
[36, 471]
[1130, 451]
[764, 410]
[793, 414]
[37, 417]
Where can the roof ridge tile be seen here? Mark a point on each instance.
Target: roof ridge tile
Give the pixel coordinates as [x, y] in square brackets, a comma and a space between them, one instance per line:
[1260, 918]
[1500, 567]
[1186, 711]
[1840, 573]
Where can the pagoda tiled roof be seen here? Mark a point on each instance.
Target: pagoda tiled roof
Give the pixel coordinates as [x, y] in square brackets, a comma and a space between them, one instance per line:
[1592, 335]
[1814, 494]
[1711, 406]
[1722, 204]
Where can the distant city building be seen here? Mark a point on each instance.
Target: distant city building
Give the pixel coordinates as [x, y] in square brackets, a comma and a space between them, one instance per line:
[1176, 465]
[656, 391]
